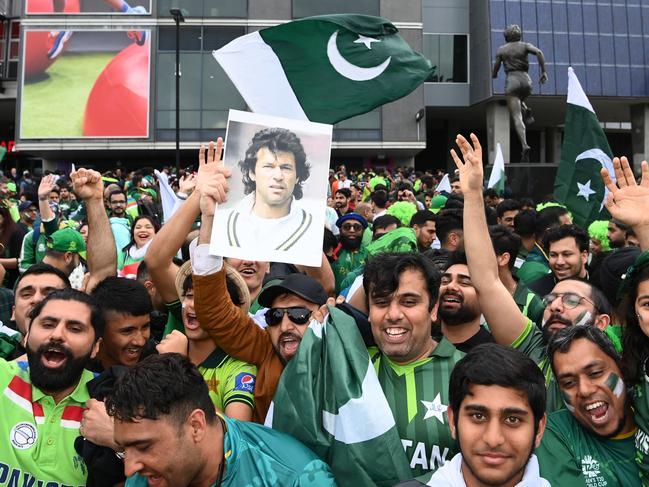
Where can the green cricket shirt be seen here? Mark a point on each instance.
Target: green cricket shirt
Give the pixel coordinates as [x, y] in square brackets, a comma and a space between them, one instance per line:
[418, 397]
[37, 448]
[228, 379]
[571, 455]
[641, 408]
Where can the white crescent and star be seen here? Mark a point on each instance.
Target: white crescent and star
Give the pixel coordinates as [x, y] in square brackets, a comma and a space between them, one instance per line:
[350, 70]
[602, 157]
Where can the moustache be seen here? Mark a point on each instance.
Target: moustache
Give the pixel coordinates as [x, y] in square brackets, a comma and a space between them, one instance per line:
[557, 318]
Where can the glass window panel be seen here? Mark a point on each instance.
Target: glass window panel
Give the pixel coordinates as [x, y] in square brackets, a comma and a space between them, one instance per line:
[528, 13]
[497, 8]
[218, 91]
[217, 37]
[623, 82]
[369, 120]
[604, 19]
[215, 119]
[513, 13]
[559, 17]
[225, 8]
[15, 30]
[190, 81]
[165, 81]
[13, 70]
[593, 80]
[634, 17]
[576, 48]
[606, 51]
[189, 8]
[190, 38]
[609, 76]
[590, 18]
[638, 82]
[450, 55]
[305, 8]
[561, 48]
[166, 119]
[636, 50]
[619, 20]
[621, 45]
[592, 49]
[544, 16]
[13, 50]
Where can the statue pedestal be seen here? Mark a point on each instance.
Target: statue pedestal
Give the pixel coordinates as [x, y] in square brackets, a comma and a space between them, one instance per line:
[498, 129]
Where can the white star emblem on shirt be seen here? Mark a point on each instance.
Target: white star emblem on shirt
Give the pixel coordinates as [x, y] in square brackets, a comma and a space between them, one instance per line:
[365, 40]
[584, 190]
[435, 408]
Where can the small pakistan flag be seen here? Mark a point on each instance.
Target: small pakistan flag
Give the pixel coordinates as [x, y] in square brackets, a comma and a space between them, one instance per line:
[323, 69]
[585, 151]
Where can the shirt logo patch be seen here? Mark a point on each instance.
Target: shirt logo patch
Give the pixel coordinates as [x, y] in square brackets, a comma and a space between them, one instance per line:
[245, 382]
[23, 436]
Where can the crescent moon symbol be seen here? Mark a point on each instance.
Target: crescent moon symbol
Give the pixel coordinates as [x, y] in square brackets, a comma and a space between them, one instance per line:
[349, 70]
[606, 162]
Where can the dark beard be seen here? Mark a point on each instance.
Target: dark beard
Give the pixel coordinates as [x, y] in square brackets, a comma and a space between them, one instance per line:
[55, 380]
[459, 317]
[350, 244]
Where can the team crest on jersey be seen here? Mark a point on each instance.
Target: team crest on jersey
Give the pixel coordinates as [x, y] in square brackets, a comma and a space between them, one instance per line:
[23, 435]
[591, 469]
[245, 382]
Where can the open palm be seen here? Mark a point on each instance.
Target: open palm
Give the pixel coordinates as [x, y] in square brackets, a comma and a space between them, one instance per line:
[627, 201]
[471, 171]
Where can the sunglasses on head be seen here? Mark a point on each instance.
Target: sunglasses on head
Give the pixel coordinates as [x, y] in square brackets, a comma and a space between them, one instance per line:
[297, 314]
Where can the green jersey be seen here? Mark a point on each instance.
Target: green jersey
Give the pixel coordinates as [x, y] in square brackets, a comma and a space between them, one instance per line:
[641, 408]
[571, 455]
[37, 446]
[530, 343]
[418, 397]
[535, 266]
[347, 261]
[228, 379]
[529, 303]
[174, 318]
[259, 456]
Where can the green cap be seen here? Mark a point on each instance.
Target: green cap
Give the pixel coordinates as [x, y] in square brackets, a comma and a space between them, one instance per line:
[11, 186]
[437, 203]
[67, 240]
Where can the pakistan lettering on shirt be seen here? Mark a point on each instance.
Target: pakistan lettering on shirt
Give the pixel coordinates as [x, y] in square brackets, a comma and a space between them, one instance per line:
[37, 435]
[641, 408]
[418, 397]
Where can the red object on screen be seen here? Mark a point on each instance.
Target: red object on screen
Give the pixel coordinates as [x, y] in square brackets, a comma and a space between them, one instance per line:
[118, 104]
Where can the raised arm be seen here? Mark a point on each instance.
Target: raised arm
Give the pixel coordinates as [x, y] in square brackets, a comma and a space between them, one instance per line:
[505, 320]
[44, 189]
[627, 200]
[102, 254]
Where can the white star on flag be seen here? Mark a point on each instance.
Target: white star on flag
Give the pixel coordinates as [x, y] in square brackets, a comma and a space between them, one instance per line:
[365, 40]
[435, 408]
[584, 190]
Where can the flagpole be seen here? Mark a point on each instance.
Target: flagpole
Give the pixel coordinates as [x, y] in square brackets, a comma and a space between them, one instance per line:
[178, 18]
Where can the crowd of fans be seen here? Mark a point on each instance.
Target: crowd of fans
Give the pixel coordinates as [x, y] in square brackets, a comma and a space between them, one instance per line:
[509, 343]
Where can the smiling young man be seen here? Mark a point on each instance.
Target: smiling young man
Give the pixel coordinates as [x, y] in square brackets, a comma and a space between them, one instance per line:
[591, 443]
[497, 414]
[43, 398]
[176, 439]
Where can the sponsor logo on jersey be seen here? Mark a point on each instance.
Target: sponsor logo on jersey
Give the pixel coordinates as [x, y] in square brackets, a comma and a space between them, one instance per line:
[23, 435]
[245, 382]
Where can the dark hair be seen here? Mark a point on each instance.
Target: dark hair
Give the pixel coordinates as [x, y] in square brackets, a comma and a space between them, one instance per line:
[55, 190]
[490, 193]
[152, 219]
[507, 205]
[379, 198]
[454, 178]
[96, 316]
[329, 240]
[40, 269]
[555, 234]
[346, 192]
[596, 295]
[385, 221]
[114, 192]
[142, 272]
[562, 340]
[8, 228]
[505, 240]
[123, 296]
[547, 218]
[446, 222]
[454, 258]
[382, 273]
[167, 384]
[490, 364]
[421, 217]
[525, 223]
[634, 341]
[275, 140]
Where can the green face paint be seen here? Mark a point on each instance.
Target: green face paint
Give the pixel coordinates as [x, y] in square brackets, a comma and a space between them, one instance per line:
[615, 383]
[567, 401]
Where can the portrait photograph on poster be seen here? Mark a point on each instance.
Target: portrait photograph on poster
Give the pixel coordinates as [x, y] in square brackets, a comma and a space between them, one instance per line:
[96, 86]
[277, 192]
[85, 7]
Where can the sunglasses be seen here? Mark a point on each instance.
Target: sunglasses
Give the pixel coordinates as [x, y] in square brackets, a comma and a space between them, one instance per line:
[297, 314]
[352, 226]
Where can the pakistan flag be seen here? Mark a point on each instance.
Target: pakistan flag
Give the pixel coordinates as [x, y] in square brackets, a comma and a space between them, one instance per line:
[585, 151]
[323, 69]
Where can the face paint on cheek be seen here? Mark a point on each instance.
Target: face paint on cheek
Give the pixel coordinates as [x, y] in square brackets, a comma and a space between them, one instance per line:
[615, 383]
[584, 318]
[567, 402]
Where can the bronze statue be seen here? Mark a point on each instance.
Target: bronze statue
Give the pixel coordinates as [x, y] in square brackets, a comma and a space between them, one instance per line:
[518, 84]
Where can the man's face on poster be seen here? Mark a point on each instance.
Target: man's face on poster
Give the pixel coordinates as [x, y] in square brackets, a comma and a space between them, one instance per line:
[275, 176]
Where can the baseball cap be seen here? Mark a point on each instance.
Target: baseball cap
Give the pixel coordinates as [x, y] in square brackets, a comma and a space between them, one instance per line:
[351, 216]
[67, 240]
[299, 284]
[25, 204]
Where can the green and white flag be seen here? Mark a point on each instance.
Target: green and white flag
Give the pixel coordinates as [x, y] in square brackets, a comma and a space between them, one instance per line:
[498, 178]
[330, 399]
[323, 69]
[444, 185]
[585, 151]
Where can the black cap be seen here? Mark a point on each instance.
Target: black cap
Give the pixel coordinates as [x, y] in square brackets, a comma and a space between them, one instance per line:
[299, 284]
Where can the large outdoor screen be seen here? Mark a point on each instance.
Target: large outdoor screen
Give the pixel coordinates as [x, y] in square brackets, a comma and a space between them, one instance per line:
[96, 84]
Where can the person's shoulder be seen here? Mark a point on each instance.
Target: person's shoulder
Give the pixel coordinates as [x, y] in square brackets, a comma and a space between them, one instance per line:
[562, 423]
